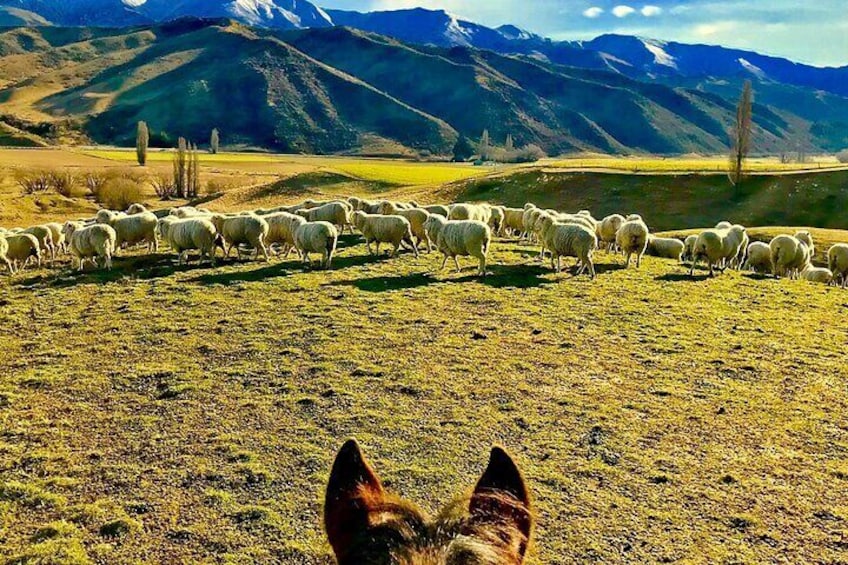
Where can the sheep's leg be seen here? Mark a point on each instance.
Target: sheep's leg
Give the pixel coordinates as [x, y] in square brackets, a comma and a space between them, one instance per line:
[264, 252]
[414, 248]
[712, 273]
[456, 262]
[444, 262]
[483, 266]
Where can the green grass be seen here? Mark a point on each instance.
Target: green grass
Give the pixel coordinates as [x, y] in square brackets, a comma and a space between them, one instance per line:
[685, 164]
[656, 417]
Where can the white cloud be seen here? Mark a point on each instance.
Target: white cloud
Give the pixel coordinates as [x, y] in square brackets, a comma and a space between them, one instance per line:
[622, 11]
[593, 12]
[714, 28]
[649, 11]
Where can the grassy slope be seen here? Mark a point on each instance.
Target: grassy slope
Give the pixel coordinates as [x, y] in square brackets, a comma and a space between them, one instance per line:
[202, 419]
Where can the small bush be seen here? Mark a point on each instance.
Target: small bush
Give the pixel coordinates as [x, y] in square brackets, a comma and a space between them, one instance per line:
[119, 193]
[64, 182]
[94, 181]
[218, 186]
[33, 181]
[163, 185]
[842, 156]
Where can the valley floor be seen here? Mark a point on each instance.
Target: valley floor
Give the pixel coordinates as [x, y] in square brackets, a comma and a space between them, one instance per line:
[191, 415]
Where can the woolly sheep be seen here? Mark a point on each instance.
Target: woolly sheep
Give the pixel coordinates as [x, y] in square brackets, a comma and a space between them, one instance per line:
[4, 251]
[437, 209]
[740, 258]
[496, 219]
[569, 240]
[607, 228]
[317, 237]
[337, 213]
[478, 212]
[384, 229]
[20, 248]
[460, 238]
[136, 209]
[723, 226]
[58, 236]
[281, 228]
[759, 258]
[789, 255]
[817, 274]
[189, 212]
[807, 238]
[416, 217]
[242, 230]
[186, 234]
[134, 229]
[92, 242]
[107, 216]
[837, 261]
[689, 248]
[717, 247]
[634, 218]
[513, 223]
[529, 219]
[632, 239]
[665, 247]
[44, 235]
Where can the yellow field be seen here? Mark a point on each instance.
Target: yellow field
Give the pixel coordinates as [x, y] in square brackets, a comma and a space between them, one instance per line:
[686, 164]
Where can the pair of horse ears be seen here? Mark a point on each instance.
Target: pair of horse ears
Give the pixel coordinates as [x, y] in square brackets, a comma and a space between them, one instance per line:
[353, 485]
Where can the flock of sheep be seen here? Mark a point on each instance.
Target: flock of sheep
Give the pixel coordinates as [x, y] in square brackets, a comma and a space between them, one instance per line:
[457, 230]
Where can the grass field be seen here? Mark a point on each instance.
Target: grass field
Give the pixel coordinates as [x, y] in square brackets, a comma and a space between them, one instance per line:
[165, 415]
[688, 164]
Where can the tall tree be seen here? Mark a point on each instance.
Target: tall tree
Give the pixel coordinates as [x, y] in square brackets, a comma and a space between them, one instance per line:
[740, 137]
[510, 143]
[485, 145]
[194, 172]
[181, 168]
[142, 141]
[214, 141]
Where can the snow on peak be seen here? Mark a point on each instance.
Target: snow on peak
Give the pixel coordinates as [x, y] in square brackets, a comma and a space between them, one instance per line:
[751, 68]
[134, 3]
[457, 34]
[661, 57]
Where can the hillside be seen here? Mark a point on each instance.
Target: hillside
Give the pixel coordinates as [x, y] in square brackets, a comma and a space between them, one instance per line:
[336, 89]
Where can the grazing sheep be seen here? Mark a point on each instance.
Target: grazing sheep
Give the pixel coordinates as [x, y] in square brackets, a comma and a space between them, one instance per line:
[384, 229]
[281, 228]
[92, 242]
[437, 209]
[607, 228]
[759, 258]
[634, 218]
[496, 219]
[460, 238]
[513, 221]
[186, 234]
[134, 229]
[689, 248]
[632, 238]
[337, 213]
[788, 256]
[189, 212]
[837, 261]
[717, 247]
[44, 235]
[21, 247]
[107, 216]
[416, 217]
[478, 212]
[58, 237]
[723, 226]
[4, 251]
[807, 238]
[739, 260]
[817, 274]
[136, 209]
[665, 247]
[317, 237]
[242, 230]
[568, 240]
[529, 219]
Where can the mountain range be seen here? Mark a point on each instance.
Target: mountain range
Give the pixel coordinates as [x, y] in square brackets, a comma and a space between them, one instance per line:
[561, 95]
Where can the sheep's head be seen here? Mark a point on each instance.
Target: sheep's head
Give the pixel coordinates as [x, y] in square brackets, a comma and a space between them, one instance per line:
[358, 219]
[433, 225]
[69, 228]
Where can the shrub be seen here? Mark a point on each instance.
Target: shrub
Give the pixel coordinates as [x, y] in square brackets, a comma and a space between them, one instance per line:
[64, 182]
[119, 193]
[33, 181]
[163, 185]
[842, 156]
[218, 186]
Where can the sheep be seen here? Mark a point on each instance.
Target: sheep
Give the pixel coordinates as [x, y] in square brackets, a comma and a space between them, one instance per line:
[20, 248]
[189, 212]
[496, 219]
[739, 260]
[807, 238]
[337, 213]
[134, 229]
[717, 247]
[437, 209]
[688, 248]
[632, 238]
[460, 238]
[569, 240]
[4, 251]
[136, 209]
[817, 274]
[316, 237]
[531, 215]
[59, 244]
[361, 203]
[789, 255]
[759, 258]
[479, 212]
[44, 235]
[723, 226]
[281, 228]
[107, 216]
[665, 247]
[384, 229]
[575, 219]
[634, 218]
[416, 217]
[513, 220]
[91, 242]
[248, 230]
[837, 262]
[185, 234]
[607, 228]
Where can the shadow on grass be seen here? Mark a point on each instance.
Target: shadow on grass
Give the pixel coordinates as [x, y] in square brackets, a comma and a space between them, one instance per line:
[683, 277]
[266, 272]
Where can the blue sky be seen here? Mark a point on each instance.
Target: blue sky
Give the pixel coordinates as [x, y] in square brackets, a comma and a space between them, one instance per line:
[814, 32]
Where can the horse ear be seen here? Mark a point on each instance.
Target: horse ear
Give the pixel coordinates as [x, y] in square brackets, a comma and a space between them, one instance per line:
[501, 496]
[352, 487]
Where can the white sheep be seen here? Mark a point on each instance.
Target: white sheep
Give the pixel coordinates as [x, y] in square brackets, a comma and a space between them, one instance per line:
[136, 209]
[384, 229]
[717, 247]
[569, 240]
[416, 217]
[789, 255]
[607, 229]
[281, 229]
[92, 242]
[837, 262]
[4, 251]
[135, 229]
[496, 219]
[21, 247]
[740, 258]
[337, 213]
[107, 216]
[689, 248]
[529, 220]
[665, 247]
[242, 230]
[723, 226]
[189, 212]
[817, 274]
[317, 237]
[632, 239]
[59, 243]
[437, 209]
[186, 234]
[478, 212]
[460, 238]
[759, 258]
[513, 221]
[44, 235]
[807, 238]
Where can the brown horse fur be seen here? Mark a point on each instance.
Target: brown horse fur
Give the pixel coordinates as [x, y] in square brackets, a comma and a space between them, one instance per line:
[365, 524]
